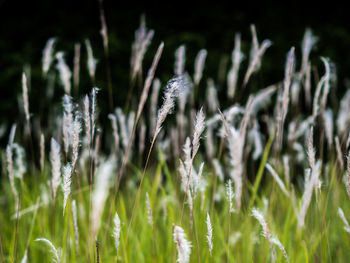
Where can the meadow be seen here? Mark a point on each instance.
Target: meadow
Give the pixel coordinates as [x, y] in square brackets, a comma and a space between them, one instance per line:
[172, 175]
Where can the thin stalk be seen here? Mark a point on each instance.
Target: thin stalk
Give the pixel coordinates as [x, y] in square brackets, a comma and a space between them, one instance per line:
[138, 195]
[197, 241]
[16, 232]
[1, 251]
[228, 235]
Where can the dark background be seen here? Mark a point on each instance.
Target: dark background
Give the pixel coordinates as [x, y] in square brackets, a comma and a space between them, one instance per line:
[25, 27]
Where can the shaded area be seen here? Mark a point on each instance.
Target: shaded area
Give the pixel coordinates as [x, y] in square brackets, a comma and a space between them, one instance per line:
[26, 25]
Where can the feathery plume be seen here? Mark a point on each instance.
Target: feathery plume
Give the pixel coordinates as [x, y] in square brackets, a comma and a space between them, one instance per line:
[123, 127]
[55, 160]
[67, 180]
[10, 169]
[174, 87]
[93, 111]
[278, 243]
[323, 83]
[12, 134]
[198, 130]
[180, 59]
[343, 116]
[326, 85]
[236, 57]
[199, 66]
[328, 123]
[310, 182]
[154, 102]
[65, 73]
[212, 96]
[48, 55]
[256, 60]
[19, 167]
[308, 42]
[182, 245]
[149, 210]
[104, 174]
[311, 154]
[116, 231]
[143, 39]
[339, 153]
[103, 31]
[149, 79]
[348, 175]
[56, 253]
[25, 257]
[262, 98]
[87, 119]
[67, 122]
[218, 169]
[25, 96]
[345, 221]
[235, 145]
[75, 224]
[209, 143]
[277, 179]
[265, 230]
[115, 131]
[230, 195]
[210, 234]
[91, 62]
[285, 99]
[75, 139]
[258, 148]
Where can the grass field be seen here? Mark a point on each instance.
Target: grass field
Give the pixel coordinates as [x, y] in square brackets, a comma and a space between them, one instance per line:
[181, 179]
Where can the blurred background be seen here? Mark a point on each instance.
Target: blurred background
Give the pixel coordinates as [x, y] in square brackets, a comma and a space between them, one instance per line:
[25, 26]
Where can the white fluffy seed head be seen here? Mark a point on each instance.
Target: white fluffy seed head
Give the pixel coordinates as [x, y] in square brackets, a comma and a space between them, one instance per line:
[174, 87]
[236, 58]
[180, 60]
[56, 253]
[91, 62]
[277, 179]
[348, 175]
[183, 246]
[345, 221]
[149, 210]
[67, 176]
[55, 160]
[116, 231]
[67, 126]
[142, 40]
[87, 119]
[65, 72]
[230, 195]
[198, 130]
[199, 66]
[265, 230]
[10, 169]
[210, 234]
[25, 96]
[75, 223]
[48, 55]
[75, 139]
[104, 173]
[149, 79]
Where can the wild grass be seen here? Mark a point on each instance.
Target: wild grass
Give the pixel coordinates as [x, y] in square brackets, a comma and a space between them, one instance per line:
[257, 181]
